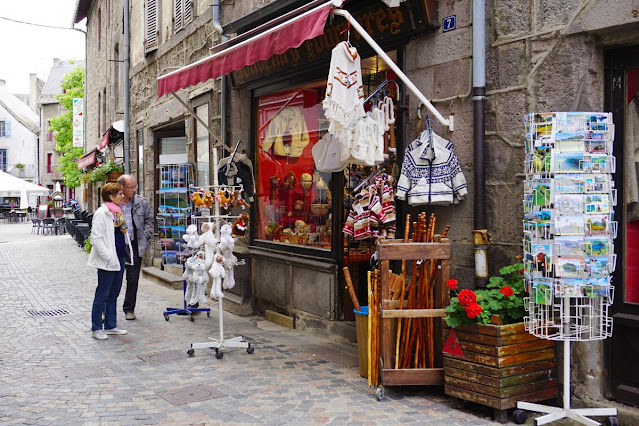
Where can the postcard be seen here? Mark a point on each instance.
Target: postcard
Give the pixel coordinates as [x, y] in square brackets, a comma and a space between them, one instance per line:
[598, 224]
[542, 192]
[542, 255]
[529, 263]
[596, 146]
[569, 183]
[542, 159]
[597, 203]
[570, 287]
[597, 246]
[569, 267]
[568, 245]
[598, 122]
[569, 224]
[596, 266]
[598, 287]
[597, 183]
[596, 163]
[569, 141]
[569, 204]
[568, 162]
[569, 121]
[542, 290]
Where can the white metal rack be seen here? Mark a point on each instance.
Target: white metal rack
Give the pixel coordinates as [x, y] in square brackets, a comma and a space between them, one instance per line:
[569, 229]
[220, 343]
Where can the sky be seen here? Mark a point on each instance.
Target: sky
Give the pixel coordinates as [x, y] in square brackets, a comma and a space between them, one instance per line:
[29, 49]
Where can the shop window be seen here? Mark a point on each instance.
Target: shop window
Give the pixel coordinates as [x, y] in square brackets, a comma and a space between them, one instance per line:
[294, 200]
[202, 149]
[5, 129]
[632, 177]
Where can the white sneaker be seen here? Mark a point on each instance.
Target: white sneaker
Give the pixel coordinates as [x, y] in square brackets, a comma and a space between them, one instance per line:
[100, 335]
[116, 331]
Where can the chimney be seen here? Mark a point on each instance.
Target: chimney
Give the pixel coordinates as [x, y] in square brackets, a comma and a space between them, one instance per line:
[34, 93]
[56, 61]
[2, 83]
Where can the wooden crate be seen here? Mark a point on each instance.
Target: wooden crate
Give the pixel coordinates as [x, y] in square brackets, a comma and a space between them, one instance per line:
[397, 250]
[501, 365]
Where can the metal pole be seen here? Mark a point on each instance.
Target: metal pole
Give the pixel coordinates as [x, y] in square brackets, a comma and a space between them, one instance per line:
[127, 144]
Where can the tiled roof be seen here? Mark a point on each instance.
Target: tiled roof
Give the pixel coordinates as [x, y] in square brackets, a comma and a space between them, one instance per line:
[19, 110]
[56, 75]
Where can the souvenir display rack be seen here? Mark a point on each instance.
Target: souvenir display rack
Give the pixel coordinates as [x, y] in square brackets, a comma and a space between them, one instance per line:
[569, 229]
[219, 219]
[173, 217]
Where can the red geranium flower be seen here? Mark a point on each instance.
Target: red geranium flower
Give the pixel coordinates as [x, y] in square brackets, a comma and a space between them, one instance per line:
[466, 297]
[452, 284]
[506, 291]
[473, 310]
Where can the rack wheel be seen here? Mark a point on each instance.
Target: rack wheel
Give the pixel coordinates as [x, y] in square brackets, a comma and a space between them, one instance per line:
[191, 318]
[190, 352]
[379, 393]
[208, 314]
[166, 317]
[520, 416]
[219, 355]
[250, 350]
[612, 421]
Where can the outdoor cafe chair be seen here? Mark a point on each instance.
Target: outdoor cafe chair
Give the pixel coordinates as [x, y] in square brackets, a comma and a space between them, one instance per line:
[48, 226]
[36, 225]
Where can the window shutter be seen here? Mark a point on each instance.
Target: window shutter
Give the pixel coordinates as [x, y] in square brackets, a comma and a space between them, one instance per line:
[187, 16]
[151, 34]
[177, 15]
[7, 129]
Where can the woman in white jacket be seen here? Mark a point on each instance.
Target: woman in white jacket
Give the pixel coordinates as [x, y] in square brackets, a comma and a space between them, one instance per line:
[110, 250]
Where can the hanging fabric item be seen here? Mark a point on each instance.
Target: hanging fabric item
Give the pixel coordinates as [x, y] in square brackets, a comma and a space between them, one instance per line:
[431, 173]
[240, 170]
[287, 133]
[344, 101]
[326, 154]
[372, 214]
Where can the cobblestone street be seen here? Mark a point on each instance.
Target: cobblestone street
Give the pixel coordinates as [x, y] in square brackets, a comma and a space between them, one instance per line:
[53, 372]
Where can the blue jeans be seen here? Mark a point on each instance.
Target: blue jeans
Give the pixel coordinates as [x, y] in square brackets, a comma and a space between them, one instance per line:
[106, 297]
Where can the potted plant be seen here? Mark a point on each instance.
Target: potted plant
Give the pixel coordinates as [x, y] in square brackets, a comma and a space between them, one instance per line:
[19, 166]
[489, 357]
[104, 172]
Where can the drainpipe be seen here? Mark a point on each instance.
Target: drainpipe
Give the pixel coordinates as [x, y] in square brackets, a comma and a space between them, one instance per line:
[223, 82]
[480, 239]
[127, 145]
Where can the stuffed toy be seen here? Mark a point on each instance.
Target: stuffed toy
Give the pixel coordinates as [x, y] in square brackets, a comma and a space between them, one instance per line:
[227, 243]
[188, 278]
[209, 241]
[240, 225]
[218, 273]
[222, 199]
[236, 199]
[208, 199]
[197, 197]
[200, 279]
[191, 238]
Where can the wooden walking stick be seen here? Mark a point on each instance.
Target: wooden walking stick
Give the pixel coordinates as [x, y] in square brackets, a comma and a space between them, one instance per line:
[351, 289]
[402, 294]
[369, 345]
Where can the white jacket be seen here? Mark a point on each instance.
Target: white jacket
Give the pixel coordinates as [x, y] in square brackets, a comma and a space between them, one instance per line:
[103, 254]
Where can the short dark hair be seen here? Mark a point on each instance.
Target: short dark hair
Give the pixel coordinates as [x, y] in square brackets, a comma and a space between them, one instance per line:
[109, 189]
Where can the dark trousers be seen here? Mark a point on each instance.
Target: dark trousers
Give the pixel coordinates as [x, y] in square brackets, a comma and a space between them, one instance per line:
[132, 278]
[106, 297]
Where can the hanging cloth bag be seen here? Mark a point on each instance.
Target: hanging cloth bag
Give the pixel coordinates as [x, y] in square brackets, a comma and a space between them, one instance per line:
[326, 153]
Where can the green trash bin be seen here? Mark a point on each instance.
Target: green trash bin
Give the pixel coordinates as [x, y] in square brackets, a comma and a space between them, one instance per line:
[361, 324]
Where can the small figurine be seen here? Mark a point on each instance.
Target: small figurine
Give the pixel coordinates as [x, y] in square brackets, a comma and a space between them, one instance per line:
[240, 225]
[191, 237]
[290, 180]
[275, 187]
[298, 205]
[208, 199]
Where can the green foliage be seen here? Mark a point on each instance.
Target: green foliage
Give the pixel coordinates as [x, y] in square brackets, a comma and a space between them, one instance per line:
[494, 300]
[62, 127]
[19, 166]
[87, 245]
[99, 174]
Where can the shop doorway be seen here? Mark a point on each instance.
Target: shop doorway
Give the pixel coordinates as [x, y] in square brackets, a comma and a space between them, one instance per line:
[622, 98]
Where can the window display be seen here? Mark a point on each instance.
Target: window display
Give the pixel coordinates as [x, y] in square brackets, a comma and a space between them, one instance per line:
[294, 199]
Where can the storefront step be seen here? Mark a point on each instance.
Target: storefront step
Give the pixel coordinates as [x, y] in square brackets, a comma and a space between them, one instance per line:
[162, 277]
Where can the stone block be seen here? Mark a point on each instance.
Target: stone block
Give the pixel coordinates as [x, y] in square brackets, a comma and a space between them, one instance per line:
[442, 48]
[459, 8]
[512, 17]
[554, 13]
[451, 78]
[511, 107]
[271, 282]
[313, 290]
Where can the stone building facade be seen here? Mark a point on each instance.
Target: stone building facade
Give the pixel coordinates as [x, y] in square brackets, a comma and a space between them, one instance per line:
[542, 55]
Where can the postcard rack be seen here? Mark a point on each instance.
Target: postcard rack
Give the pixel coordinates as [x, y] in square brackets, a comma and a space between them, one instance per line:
[174, 214]
[569, 229]
[390, 312]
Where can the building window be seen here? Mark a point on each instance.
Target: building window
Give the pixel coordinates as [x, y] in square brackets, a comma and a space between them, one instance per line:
[3, 160]
[151, 28]
[49, 163]
[116, 75]
[104, 114]
[98, 115]
[5, 129]
[49, 132]
[182, 13]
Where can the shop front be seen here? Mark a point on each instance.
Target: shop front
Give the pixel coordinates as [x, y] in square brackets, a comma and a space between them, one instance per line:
[297, 242]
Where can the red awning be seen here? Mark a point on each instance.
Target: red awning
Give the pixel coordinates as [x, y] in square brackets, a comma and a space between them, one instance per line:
[87, 160]
[273, 41]
[104, 141]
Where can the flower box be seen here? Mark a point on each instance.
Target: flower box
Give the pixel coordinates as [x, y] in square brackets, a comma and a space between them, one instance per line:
[499, 365]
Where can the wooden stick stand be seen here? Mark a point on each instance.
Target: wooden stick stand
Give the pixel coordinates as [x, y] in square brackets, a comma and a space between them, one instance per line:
[398, 250]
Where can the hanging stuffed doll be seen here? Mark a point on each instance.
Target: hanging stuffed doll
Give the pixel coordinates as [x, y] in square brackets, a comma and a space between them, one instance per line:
[188, 278]
[240, 225]
[200, 279]
[191, 238]
[207, 238]
[227, 243]
[218, 273]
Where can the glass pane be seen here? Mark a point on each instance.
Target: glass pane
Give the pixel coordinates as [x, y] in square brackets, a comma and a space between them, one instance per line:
[140, 161]
[173, 150]
[202, 146]
[294, 199]
[631, 185]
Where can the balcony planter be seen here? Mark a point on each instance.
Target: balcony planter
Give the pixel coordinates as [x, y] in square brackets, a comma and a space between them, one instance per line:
[498, 365]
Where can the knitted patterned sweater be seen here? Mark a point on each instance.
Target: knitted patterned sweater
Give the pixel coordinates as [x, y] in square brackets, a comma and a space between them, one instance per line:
[431, 173]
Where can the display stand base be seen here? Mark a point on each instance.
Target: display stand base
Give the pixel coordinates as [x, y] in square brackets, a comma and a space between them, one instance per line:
[186, 310]
[557, 413]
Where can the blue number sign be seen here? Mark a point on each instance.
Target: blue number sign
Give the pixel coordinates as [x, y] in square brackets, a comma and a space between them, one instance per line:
[449, 23]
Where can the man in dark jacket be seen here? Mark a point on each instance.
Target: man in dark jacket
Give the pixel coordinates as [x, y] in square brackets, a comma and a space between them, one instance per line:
[137, 212]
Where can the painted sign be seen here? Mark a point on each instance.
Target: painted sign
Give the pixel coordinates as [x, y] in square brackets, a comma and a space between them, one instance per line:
[449, 23]
[78, 122]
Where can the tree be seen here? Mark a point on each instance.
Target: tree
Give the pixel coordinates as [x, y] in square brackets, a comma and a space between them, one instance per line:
[62, 127]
